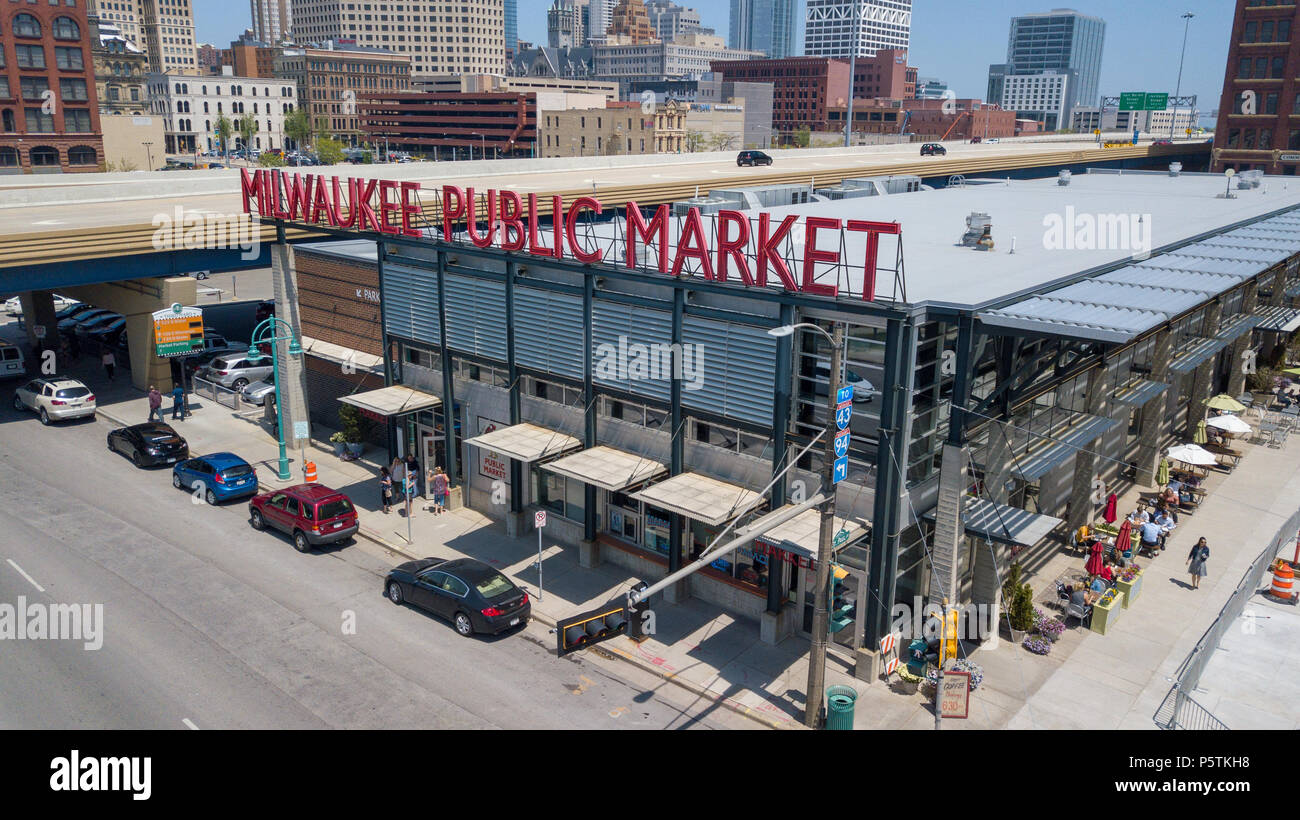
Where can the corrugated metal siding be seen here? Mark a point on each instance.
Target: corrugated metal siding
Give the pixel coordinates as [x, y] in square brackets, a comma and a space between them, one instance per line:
[548, 332]
[616, 328]
[738, 363]
[476, 316]
[411, 304]
[1194, 353]
[1044, 460]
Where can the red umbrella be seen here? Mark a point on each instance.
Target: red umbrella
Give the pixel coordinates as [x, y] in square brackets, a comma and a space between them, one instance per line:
[1112, 512]
[1123, 541]
[1096, 560]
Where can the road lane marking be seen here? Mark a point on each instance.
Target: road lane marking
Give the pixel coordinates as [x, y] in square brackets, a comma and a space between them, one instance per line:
[189, 723]
[29, 578]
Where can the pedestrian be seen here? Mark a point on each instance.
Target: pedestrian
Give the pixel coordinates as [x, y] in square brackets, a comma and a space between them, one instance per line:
[438, 485]
[386, 488]
[398, 472]
[110, 361]
[413, 473]
[178, 403]
[1196, 562]
[155, 403]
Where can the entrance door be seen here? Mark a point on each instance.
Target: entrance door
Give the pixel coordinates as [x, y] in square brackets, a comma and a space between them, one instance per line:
[807, 588]
[428, 451]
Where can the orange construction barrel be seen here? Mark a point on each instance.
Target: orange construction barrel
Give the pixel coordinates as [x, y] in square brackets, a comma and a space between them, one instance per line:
[309, 471]
[1283, 581]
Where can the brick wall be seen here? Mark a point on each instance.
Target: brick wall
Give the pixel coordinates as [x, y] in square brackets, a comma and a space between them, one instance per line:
[339, 301]
[326, 382]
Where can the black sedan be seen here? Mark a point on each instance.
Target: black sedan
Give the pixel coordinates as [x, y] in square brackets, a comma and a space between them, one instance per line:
[469, 593]
[149, 445]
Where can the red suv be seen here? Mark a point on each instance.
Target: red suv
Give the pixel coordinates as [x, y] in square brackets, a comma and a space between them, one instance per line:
[311, 514]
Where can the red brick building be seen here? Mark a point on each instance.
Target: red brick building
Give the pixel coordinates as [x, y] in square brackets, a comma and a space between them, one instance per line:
[928, 120]
[804, 89]
[887, 75]
[1259, 113]
[428, 122]
[49, 112]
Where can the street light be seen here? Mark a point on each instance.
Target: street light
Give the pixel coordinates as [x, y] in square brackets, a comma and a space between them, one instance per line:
[1187, 24]
[148, 154]
[821, 620]
[254, 356]
[853, 59]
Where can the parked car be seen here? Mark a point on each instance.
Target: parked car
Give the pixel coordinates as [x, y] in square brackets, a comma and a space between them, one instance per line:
[220, 477]
[107, 335]
[90, 316]
[236, 371]
[75, 309]
[14, 306]
[149, 444]
[311, 514]
[87, 328]
[752, 158]
[56, 398]
[12, 363]
[933, 149]
[469, 593]
[992, 140]
[214, 345]
[863, 390]
[256, 392]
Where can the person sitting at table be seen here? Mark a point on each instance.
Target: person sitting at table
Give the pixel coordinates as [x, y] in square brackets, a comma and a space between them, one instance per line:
[1083, 596]
[1150, 536]
[1169, 495]
[1107, 573]
[1166, 522]
[1138, 516]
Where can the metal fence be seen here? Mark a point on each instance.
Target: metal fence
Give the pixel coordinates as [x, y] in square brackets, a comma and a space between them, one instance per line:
[223, 396]
[1179, 710]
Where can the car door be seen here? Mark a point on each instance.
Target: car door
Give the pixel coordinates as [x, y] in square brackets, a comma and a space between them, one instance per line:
[451, 595]
[425, 590]
[274, 511]
[200, 474]
[27, 393]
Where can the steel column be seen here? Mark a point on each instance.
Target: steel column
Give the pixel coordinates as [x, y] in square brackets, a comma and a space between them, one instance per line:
[448, 384]
[678, 440]
[512, 371]
[961, 381]
[589, 399]
[780, 449]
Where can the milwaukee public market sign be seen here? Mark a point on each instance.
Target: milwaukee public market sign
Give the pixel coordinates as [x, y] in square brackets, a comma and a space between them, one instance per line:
[735, 250]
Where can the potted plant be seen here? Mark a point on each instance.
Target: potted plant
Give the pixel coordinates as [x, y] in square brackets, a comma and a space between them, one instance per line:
[1018, 598]
[976, 672]
[1129, 582]
[353, 432]
[1037, 645]
[907, 682]
[1051, 629]
[339, 440]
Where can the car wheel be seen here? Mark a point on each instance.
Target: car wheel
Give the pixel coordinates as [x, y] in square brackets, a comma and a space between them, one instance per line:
[255, 518]
[136, 460]
[300, 542]
[45, 417]
[464, 627]
[210, 497]
[18, 403]
[176, 481]
[239, 384]
[395, 592]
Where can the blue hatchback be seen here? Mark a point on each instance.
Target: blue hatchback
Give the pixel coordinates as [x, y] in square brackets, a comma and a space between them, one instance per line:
[218, 476]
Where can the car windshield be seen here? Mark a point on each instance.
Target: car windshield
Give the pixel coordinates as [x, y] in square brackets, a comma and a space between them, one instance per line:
[72, 393]
[236, 472]
[493, 586]
[337, 507]
[220, 364]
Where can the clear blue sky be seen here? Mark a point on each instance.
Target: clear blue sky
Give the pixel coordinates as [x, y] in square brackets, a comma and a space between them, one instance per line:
[956, 40]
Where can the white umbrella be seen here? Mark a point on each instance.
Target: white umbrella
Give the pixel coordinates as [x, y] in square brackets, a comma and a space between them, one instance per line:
[1230, 424]
[1193, 454]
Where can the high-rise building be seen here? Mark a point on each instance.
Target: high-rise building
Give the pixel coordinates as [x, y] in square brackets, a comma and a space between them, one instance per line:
[840, 28]
[272, 20]
[564, 25]
[1259, 113]
[162, 29]
[631, 24]
[599, 16]
[671, 21]
[512, 27]
[330, 78]
[803, 90]
[763, 25]
[440, 36]
[1059, 42]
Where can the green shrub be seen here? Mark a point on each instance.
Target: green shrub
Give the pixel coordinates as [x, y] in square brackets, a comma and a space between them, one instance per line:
[1018, 598]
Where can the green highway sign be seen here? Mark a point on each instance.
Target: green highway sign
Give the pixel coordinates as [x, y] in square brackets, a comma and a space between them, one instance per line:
[1143, 101]
[840, 538]
[1157, 102]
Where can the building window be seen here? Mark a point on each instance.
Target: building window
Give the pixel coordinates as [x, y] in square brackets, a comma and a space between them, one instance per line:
[30, 56]
[7, 123]
[77, 121]
[26, 25]
[75, 90]
[1265, 139]
[39, 121]
[68, 58]
[82, 155]
[1270, 103]
[33, 88]
[43, 156]
[65, 28]
[8, 156]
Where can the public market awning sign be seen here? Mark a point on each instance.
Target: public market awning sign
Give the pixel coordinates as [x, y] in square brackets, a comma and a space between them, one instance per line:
[178, 331]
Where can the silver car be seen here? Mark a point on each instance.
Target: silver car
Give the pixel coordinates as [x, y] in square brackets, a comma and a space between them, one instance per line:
[256, 392]
[237, 372]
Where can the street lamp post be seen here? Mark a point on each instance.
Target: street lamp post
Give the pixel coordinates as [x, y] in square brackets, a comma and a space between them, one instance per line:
[1178, 88]
[260, 336]
[821, 618]
[853, 65]
[148, 151]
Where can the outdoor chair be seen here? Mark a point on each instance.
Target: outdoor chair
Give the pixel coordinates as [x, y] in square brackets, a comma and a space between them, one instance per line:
[1081, 611]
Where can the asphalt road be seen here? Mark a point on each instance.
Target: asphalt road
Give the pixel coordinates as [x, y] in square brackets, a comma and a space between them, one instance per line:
[208, 624]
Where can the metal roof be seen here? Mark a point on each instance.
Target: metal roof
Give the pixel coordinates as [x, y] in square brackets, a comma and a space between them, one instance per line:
[801, 535]
[1278, 319]
[1207, 283]
[525, 442]
[1234, 327]
[700, 498]
[1195, 352]
[1264, 257]
[1077, 320]
[1200, 264]
[1060, 447]
[1001, 523]
[1139, 392]
[392, 401]
[607, 468]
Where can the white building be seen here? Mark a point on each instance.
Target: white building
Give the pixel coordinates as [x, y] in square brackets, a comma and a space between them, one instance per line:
[830, 29]
[272, 20]
[191, 106]
[1157, 123]
[1039, 97]
[687, 59]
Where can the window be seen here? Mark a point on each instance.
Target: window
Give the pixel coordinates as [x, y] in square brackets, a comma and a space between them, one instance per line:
[7, 122]
[1270, 103]
[65, 28]
[30, 56]
[26, 25]
[77, 121]
[34, 88]
[1266, 31]
[75, 89]
[39, 121]
[43, 157]
[8, 156]
[68, 58]
[82, 155]
[1278, 68]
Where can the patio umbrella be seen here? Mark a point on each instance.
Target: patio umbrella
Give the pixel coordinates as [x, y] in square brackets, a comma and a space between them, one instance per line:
[1199, 437]
[1229, 424]
[1162, 472]
[1111, 512]
[1225, 402]
[1124, 541]
[1095, 561]
[1192, 454]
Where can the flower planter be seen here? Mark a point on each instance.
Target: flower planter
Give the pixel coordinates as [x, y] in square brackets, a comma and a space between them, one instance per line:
[1105, 616]
[356, 449]
[338, 448]
[1131, 589]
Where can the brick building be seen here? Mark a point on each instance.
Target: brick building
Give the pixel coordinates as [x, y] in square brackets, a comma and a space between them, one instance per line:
[468, 124]
[803, 89]
[928, 120]
[1259, 113]
[887, 75]
[617, 129]
[331, 79]
[49, 110]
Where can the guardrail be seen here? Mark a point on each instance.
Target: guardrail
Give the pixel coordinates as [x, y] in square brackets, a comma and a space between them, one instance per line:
[1178, 710]
[223, 396]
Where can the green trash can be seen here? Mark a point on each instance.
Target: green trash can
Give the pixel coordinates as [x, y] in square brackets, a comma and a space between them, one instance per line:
[839, 707]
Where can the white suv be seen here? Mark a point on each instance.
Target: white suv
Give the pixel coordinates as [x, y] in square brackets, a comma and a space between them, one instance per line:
[12, 364]
[56, 399]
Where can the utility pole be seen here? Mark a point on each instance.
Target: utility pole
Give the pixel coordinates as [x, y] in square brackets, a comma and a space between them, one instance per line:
[853, 63]
[821, 619]
[1178, 88]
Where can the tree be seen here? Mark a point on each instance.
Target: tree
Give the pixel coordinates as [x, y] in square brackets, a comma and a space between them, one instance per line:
[722, 141]
[694, 141]
[247, 127]
[329, 150]
[271, 160]
[803, 137]
[297, 127]
[223, 129]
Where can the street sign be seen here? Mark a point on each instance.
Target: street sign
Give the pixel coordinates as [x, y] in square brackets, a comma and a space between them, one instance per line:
[300, 430]
[842, 444]
[841, 470]
[539, 519]
[178, 331]
[954, 697]
[39, 331]
[1157, 102]
[844, 394]
[840, 538]
[1133, 101]
[843, 415]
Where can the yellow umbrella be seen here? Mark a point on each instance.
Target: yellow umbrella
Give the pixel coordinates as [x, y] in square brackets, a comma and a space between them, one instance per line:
[1162, 473]
[1199, 436]
[1294, 371]
[1225, 402]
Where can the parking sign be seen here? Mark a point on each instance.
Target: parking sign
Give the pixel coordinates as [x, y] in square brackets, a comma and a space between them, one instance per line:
[539, 519]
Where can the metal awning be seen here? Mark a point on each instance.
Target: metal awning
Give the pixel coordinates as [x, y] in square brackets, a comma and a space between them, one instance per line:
[699, 498]
[338, 354]
[801, 535]
[1006, 525]
[1230, 330]
[525, 442]
[607, 468]
[1196, 351]
[1200, 264]
[392, 401]
[1055, 316]
[1293, 291]
[1278, 319]
[1208, 283]
[1139, 392]
[1063, 444]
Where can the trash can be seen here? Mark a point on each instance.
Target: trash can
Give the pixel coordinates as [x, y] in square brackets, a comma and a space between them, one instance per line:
[839, 707]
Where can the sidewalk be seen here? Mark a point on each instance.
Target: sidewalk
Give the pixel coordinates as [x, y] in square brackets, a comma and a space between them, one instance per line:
[1119, 678]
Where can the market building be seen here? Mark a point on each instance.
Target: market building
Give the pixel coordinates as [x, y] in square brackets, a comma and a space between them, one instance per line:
[617, 370]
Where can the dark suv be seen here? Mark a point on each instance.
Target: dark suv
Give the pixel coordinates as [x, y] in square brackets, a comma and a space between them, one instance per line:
[933, 149]
[752, 158]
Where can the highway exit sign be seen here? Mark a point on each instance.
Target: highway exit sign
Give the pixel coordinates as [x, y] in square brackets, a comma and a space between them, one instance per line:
[1143, 101]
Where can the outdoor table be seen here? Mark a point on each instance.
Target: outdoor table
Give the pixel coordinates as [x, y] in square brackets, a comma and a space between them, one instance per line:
[1223, 450]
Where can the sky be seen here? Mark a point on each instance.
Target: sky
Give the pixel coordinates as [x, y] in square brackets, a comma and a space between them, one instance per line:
[957, 40]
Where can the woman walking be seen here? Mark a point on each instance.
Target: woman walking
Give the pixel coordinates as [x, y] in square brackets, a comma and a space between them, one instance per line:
[438, 485]
[1196, 562]
[386, 488]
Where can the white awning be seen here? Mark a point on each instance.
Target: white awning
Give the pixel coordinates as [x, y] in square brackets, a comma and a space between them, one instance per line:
[802, 534]
[607, 468]
[392, 401]
[338, 354]
[526, 442]
[699, 498]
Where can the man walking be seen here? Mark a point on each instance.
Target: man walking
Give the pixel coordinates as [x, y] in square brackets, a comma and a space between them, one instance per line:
[109, 361]
[178, 403]
[155, 403]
